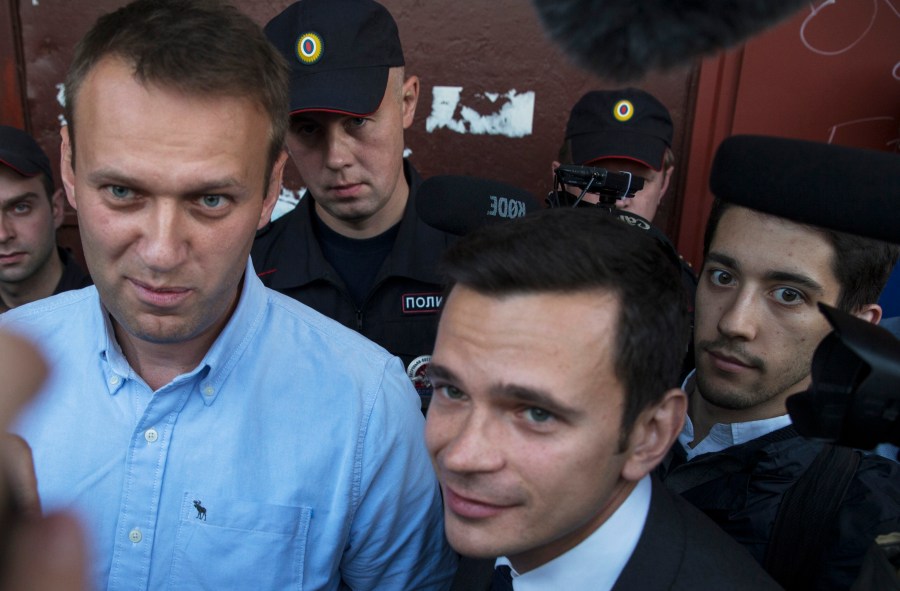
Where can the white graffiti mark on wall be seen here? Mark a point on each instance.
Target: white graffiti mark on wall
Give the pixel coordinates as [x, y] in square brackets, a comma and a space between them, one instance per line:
[61, 99]
[513, 118]
[287, 200]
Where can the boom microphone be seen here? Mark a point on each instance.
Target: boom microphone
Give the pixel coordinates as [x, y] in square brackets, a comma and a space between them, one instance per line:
[624, 39]
[460, 204]
[845, 189]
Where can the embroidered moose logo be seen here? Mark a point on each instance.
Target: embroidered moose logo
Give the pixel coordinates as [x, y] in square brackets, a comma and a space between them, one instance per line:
[201, 510]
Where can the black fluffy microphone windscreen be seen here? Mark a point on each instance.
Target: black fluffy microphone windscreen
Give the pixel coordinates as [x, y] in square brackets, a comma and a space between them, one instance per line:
[460, 204]
[844, 189]
[624, 39]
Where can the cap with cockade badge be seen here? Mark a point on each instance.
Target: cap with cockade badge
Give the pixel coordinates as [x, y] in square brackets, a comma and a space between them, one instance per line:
[339, 51]
[19, 151]
[628, 123]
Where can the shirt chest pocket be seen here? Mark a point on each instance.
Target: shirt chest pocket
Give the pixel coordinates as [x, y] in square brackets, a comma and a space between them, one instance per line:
[230, 544]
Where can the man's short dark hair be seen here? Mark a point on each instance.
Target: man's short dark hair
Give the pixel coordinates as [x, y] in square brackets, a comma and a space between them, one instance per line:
[861, 265]
[201, 47]
[570, 250]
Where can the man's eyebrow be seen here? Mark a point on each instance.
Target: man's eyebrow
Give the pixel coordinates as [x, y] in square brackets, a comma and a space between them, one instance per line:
[109, 176]
[723, 259]
[302, 119]
[440, 372]
[16, 199]
[534, 397]
[511, 392]
[799, 279]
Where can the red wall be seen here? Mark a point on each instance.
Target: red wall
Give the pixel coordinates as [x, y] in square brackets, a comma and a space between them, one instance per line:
[830, 74]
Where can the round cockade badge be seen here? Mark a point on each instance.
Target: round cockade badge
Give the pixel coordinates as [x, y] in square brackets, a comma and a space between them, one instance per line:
[309, 48]
[623, 110]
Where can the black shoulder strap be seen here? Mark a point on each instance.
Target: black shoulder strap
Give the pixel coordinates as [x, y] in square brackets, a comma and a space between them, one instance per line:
[808, 508]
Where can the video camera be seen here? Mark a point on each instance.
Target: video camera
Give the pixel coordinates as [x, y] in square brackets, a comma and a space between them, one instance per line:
[854, 399]
[609, 186]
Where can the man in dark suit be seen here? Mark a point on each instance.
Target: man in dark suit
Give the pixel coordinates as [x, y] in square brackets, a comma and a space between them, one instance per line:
[558, 347]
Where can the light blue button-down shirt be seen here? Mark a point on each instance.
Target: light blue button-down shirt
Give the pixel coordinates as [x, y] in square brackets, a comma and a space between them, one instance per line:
[291, 457]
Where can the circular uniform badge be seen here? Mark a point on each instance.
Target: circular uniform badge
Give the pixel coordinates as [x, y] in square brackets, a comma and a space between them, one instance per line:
[309, 48]
[417, 371]
[623, 110]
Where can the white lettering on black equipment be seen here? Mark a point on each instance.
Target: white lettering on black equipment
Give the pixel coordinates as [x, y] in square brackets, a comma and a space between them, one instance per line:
[633, 221]
[506, 207]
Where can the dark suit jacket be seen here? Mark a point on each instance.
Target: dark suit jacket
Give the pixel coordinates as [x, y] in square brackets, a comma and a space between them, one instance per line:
[679, 549]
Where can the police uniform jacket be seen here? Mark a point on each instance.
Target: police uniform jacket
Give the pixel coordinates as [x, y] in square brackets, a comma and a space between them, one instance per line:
[400, 312]
[73, 277]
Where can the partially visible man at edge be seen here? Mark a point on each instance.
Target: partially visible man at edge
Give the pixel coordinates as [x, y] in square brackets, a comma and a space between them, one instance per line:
[757, 327]
[210, 432]
[32, 266]
[354, 248]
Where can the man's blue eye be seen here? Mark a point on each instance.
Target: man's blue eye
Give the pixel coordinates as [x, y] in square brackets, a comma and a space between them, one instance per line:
[452, 392]
[213, 201]
[119, 192]
[538, 415]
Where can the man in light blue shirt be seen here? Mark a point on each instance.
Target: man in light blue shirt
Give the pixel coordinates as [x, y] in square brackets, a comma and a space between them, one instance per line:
[209, 432]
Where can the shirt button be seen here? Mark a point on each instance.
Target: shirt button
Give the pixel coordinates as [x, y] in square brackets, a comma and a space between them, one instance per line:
[209, 390]
[151, 435]
[114, 380]
[135, 535]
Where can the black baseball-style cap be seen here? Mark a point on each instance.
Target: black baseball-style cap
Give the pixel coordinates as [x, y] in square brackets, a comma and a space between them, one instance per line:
[19, 151]
[628, 123]
[339, 51]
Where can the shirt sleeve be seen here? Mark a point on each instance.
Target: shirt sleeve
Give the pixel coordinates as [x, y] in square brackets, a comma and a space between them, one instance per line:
[397, 537]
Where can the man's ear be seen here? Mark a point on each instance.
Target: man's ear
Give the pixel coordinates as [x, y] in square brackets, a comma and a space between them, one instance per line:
[67, 166]
[653, 433]
[410, 98]
[271, 197]
[667, 176]
[870, 313]
[57, 208]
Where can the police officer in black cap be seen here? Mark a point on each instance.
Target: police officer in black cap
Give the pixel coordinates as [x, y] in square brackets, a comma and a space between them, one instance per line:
[32, 266]
[354, 248]
[623, 130]
[626, 130]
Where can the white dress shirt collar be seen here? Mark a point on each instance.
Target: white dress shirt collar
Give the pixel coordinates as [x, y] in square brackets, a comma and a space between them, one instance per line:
[599, 559]
[725, 435]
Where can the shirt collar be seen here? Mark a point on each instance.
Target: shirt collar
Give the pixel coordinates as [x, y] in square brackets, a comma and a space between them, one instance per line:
[222, 356]
[725, 435]
[600, 558]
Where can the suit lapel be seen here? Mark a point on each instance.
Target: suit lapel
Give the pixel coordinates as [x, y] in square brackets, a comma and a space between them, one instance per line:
[473, 574]
[654, 562]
